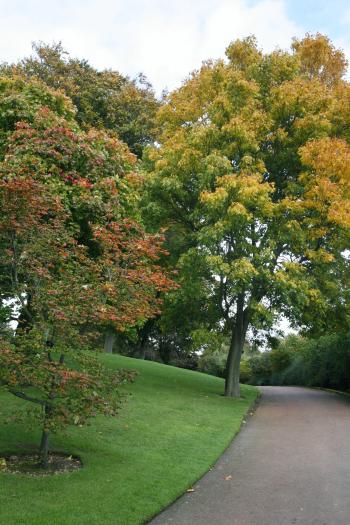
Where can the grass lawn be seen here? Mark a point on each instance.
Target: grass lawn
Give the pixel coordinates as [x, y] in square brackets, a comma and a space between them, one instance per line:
[171, 430]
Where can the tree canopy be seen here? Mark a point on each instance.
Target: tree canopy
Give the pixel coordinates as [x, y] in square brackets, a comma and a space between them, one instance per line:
[103, 99]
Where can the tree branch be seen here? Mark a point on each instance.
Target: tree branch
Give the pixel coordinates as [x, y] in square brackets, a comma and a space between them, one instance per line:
[24, 396]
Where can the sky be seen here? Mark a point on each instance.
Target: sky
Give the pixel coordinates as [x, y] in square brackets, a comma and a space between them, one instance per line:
[165, 40]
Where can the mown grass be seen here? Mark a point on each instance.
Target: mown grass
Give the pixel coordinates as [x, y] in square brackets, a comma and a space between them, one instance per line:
[171, 430]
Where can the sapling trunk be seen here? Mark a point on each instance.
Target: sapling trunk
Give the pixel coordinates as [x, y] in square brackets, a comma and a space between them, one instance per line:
[44, 449]
[44, 444]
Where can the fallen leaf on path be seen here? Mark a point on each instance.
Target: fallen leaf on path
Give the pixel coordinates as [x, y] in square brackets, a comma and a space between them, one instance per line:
[227, 478]
[190, 490]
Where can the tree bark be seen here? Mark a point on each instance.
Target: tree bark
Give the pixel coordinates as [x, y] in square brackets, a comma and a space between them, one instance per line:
[25, 318]
[143, 339]
[44, 449]
[109, 341]
[164, 351]
[232, 388]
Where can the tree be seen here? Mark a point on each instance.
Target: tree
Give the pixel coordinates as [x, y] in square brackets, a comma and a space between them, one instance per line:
[95, 176]
[73, 260]
[47, 364]
[104, 99]
[238, 168]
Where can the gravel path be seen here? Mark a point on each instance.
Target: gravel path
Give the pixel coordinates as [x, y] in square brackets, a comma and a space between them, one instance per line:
[290, 464]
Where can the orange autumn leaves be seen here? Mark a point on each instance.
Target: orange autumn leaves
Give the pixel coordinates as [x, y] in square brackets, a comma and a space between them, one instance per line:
[327, 179]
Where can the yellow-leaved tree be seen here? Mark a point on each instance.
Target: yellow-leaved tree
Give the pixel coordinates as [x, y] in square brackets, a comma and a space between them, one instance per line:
[253, 164]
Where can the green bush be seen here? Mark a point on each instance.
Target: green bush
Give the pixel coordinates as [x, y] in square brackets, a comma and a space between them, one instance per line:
[260, 365]
[246, 371]
[322, 362]
[326, 362]
[213, 362]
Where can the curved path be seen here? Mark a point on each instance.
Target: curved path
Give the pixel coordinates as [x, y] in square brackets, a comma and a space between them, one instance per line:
[290, 464]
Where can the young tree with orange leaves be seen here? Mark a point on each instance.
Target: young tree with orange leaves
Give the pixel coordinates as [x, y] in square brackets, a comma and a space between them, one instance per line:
[47, 364]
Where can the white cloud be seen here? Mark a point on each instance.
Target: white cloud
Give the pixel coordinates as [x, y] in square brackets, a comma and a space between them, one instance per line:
[164, 39]
[343, 41]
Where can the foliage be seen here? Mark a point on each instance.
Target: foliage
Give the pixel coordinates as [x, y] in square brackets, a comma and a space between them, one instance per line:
[92, 173]
[297, 360]
[47, 277]
[213, 362]
[260, 367]
[69, 386]
[323, 362]
[104, 99]
[20, 101]
[245, 371]
[319, 58]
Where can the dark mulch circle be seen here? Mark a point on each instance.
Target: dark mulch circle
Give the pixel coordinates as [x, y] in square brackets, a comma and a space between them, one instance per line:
[29, 464]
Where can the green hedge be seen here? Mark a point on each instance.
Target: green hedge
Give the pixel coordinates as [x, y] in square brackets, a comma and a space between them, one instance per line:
[322, 362]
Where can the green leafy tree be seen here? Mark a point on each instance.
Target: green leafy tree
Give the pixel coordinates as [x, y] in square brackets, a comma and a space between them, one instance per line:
[20, 101]
[252, 163]
[104, 99]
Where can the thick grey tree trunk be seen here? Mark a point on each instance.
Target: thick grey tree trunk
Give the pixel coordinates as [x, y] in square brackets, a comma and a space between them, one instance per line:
[109, 341]
[232, 388]
[239, 330]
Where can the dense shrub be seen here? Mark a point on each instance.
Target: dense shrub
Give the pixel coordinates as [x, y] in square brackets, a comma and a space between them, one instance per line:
[213, 362]
[260, 365]
[246, 371]
[322, 362]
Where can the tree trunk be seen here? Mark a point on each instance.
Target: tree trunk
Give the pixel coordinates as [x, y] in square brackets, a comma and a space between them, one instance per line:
[44, 449]
[142, 340]
[164, 351]
[232, 388]
[25, 318]
[109, 341]
[141, 351]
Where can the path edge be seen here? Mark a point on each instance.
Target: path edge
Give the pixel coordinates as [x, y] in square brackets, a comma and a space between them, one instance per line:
[245, 418]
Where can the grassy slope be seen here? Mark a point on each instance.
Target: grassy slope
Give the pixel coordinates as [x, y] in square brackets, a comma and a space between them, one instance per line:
[172, 429]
